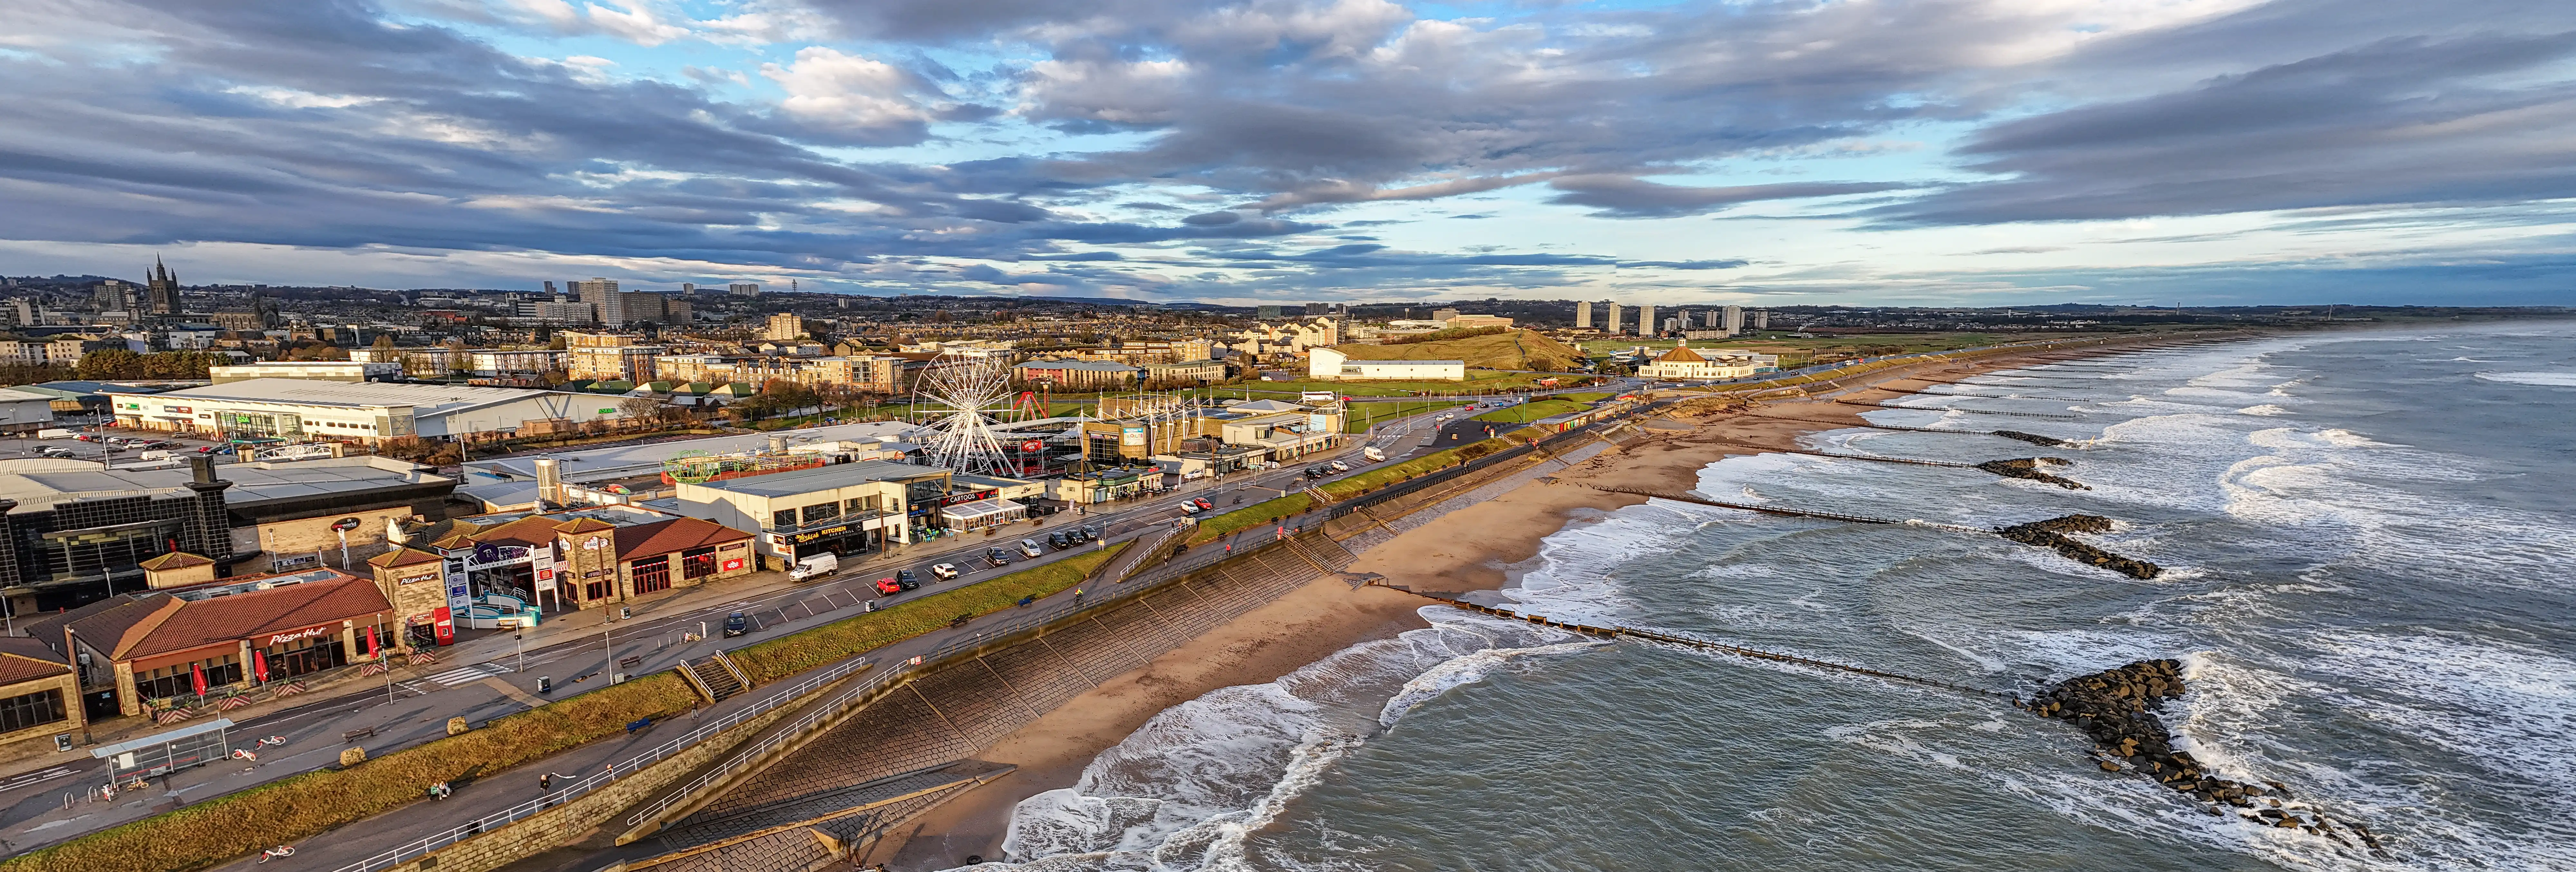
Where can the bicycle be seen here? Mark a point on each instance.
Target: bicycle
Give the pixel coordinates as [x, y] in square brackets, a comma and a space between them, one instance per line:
[272, 740]
[279, 851]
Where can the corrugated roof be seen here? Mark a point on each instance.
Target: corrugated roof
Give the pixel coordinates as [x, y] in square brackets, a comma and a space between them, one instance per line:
[839, 475]
[175, 560]
[1681, 354]
[425, 400]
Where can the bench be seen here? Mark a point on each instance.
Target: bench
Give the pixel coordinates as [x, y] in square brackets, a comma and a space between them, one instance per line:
[356, 734]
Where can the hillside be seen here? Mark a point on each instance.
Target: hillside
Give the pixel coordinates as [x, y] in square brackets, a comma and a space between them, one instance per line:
[1517, 349]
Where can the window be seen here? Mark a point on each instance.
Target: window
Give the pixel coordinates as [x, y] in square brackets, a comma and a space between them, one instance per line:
[652, 576]
[32, 710]
[303, 656]
[599, 590]
[822, 512]
[178, 681]
[860, 505]
[785, 519]
[697, 563]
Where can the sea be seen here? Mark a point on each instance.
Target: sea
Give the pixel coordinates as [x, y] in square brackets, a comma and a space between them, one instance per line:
[2364, 537]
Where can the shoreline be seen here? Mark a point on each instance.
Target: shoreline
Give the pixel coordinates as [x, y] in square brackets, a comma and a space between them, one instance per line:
[1478, 548]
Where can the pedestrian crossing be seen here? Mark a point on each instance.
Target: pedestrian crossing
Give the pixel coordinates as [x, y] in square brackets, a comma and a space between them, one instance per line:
[469, 674]
[32, 779]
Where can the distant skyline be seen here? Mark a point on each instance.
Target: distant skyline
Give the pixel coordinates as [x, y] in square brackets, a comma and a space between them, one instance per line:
[2014, 152]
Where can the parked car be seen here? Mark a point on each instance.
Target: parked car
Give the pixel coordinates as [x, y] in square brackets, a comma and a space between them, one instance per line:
[888, 586]
[1059, 540]
[1203, 504]
[815, 566]
[1189, 508]
[737, 624]
[1029, 548]
[1090, 532]
[943, 571]
[997, 557]
[1339, 466]
[906, 578]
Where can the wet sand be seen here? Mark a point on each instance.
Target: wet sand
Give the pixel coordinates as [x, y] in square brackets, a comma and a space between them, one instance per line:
[1466, 550]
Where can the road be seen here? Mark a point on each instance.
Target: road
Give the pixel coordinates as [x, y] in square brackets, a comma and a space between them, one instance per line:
[494, 675]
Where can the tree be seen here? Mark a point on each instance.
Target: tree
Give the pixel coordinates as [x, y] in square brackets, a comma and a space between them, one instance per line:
[384, 340]
[110, 363]
[644, 411]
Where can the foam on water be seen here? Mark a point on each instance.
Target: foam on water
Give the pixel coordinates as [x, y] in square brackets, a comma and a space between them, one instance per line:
[2551, 379]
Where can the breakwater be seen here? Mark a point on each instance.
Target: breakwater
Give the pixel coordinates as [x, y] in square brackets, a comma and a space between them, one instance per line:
[2028, 467]
[2119, 707]
[2051, 534]
[1978, 396]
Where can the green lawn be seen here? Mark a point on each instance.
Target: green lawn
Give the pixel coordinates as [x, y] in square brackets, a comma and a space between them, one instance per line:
[1255, 515]
[848, 637]
[1531, 411]
[1365, 414]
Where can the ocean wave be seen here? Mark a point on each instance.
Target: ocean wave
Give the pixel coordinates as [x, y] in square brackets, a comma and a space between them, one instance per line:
[2559, 379]
[2266, 409]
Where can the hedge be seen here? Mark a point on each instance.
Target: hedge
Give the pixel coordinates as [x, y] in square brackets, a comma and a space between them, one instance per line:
[290, 810]
[848, 637]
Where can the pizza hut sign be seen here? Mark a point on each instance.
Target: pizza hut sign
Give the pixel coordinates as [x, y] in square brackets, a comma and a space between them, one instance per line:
[283, 638]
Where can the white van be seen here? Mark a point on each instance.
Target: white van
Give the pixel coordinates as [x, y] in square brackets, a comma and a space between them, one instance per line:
[158, 455]
[56, 433]
[816, 566]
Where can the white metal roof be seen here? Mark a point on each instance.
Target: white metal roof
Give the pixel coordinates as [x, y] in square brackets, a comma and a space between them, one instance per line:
[425, 400]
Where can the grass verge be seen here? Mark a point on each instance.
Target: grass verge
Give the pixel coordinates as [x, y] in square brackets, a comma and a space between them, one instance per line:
[301, 807]
[1364, 415]
[1257, 514]
[1531, 411]
[788, 655]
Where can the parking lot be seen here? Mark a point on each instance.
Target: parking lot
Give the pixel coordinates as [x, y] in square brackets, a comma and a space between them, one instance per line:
[116, 447]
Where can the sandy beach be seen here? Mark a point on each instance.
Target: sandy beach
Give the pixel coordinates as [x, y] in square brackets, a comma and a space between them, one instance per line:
[1469, 549]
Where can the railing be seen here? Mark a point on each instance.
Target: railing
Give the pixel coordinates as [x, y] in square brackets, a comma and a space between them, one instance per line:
[629, 766]
[746, 755]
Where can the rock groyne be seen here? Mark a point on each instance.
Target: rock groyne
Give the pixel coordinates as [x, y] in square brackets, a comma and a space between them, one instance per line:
[2119, 707]
[2032, 438]
[2051, 533]
[2028, 467]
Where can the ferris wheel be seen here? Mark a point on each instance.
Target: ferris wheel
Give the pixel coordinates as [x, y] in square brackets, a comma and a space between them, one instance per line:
[967, 392]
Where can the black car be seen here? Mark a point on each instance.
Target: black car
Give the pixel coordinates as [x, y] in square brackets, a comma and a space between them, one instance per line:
[1089, 533]
[1318, 472]
[1059, 540]
[737, 624]
[906, 578]
[997, 557]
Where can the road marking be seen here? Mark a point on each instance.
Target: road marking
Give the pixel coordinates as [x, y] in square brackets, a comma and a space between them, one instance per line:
[469, 674]
[512, 692]
[34, 778]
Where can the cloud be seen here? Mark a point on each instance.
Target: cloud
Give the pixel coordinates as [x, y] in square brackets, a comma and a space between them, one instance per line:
[867, 98]
[1631, 197]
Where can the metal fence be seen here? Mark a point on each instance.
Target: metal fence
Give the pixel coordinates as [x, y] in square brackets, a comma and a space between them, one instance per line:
[610, 774]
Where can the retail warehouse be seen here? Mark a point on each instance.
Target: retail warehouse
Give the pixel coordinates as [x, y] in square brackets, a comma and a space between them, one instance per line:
[296, 408]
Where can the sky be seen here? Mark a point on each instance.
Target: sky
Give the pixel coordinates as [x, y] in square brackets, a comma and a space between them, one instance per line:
[1979, 152]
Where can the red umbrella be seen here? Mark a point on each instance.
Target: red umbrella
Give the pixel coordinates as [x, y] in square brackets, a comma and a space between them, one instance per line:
[259, 665]
[371, 646]
[197, 676]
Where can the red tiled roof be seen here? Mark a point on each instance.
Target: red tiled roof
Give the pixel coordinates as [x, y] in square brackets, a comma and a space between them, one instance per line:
[584, 525]
[402, 557]
[676, 534]
[249, 615]
[1681, 354]
[531, 531]
[116, 627]
[24, 659]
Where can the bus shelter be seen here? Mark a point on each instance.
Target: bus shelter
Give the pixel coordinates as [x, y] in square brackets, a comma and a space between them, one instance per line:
[164, 753]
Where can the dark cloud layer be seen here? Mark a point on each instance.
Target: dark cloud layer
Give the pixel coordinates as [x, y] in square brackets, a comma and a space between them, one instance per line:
[1246, 124]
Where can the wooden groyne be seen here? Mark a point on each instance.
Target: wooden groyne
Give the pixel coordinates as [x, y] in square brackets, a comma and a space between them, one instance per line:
[2032, 438]
[1979, 396]
[2050, 533]
[1955, 409]
[1700, 644]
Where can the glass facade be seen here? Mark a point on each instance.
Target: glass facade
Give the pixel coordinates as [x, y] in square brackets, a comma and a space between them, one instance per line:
[178, 681]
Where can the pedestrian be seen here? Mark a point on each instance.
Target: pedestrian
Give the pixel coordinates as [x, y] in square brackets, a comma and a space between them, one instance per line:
[1077, 596]
[546, 782]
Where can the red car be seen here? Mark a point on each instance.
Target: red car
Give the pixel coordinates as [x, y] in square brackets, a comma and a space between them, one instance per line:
[889, 586]
[1204, 504]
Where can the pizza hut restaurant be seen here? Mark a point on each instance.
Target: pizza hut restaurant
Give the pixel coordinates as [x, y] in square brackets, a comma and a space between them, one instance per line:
[195, 642]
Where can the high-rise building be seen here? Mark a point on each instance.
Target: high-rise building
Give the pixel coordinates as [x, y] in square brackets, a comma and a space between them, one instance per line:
[1319, 308]
[688, 288]
[1761, 319]
[550, 289]
[161, 293]
[605, 302]
[1265, 311]
[743, 289]
[1583, 315]
[678, 313]
[1734, 319]
[1610, 313]
[1646, 319]
[784, 326]
[1709, 319]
